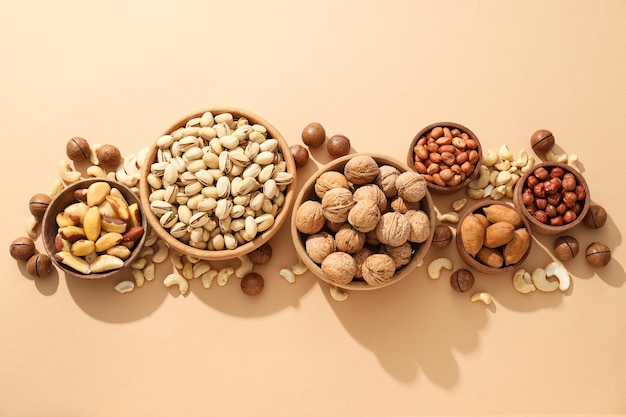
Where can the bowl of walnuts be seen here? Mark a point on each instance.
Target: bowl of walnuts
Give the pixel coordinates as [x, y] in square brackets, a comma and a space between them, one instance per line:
[218, 184]
[362, 222]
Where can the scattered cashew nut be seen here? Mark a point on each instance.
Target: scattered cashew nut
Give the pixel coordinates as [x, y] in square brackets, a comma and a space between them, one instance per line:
[572, 161]
[505, 153]
[482, 180]
[67, 173]
[57, 187]
[299, 268]
[555, 269]
[96, 171]
[337, 294]
[32, 227]
[207, 277]
[93, 155]
[224, 275]
[124, 286]
[551, 156]
[436, 265]
[177, 279]
[245, 266]
[475, 194]
[458, 205]
[288, 275]
[481, 296]
[148, 271]
[139, 277]
[538, 278]
[177, 260]
[522, 281]
[490, 158]
[162, 252]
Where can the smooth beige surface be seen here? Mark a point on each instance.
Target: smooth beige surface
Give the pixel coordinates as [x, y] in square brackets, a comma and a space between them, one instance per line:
[121, 72]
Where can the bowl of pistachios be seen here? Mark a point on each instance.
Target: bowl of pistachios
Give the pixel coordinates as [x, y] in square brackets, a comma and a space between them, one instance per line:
[218, 183]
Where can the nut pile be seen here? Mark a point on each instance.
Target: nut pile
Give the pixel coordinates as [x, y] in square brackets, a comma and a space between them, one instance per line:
[366, 222]
[218, 182]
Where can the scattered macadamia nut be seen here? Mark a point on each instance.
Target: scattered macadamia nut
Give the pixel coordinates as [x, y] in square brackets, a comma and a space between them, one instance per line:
[261, 255]
[252, 284]
[38, 204]
[542, 141]
[462, 280]
[595, 217]
[442, 236]
[39, 265]
[22, 249]
[109, 156]
[300, 155]
[313, 135]
[566, 247]
[77, 149]
[598, 254]
[338, 146]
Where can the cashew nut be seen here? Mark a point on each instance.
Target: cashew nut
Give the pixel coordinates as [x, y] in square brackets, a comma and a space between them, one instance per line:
[572, 161]
[288, 275]
[207, 277]
[529, 165]
[177, 260]
[224, 275]
[141, 156]
[146, 251]
[498, 192]
[96, 171]
[130, 165]
[139, 278]
[299, 268]
[93, 155]
[436, 265]
[57, 187]
[420, 263]
[245, 266]
[130, 180]
[555, 269]
[551, 156]
[139, 263]
[124, 286]
[503, 165]
[161, 253]
[449, 217]
[177, 279]
[458, 205]
[337, 294]
[481, 296]
[522, 281]
[475, 194]
[482, 180]
[151, 239]
[32, 227]
[522, 159]
[187, 271]
[67, 173]
[505, 153]
[490, 158]
[538, 278]
[198, 269]
[148, 271]
[502, 178]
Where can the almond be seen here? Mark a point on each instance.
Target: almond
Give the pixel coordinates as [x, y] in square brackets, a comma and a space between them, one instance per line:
[499, 213]
[517, 246]
[499, 234]
[472, 234]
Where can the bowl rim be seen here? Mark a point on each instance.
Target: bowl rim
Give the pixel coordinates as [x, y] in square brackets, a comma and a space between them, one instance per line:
[543, 228]
[403, 272]
[438, 189]
[240, 250]
[49, 218]
[474, 263]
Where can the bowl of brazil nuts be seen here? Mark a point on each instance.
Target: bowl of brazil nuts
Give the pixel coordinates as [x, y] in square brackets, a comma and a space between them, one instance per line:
[94, 228]
[553, 196]
[218, 183]
[493, 237]
[447, 154]
[363, 221]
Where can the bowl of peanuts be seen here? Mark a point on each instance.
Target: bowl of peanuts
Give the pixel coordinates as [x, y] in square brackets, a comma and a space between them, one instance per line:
[553, 196]
[448, 155]
[218, 183]
[363, 222]
[94, 228]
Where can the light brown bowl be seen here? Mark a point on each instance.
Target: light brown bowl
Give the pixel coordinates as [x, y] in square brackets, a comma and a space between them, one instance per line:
[308, 193]
[473, 262]
[542, 227]
[65, 198]
[436, 188]
[226, 254]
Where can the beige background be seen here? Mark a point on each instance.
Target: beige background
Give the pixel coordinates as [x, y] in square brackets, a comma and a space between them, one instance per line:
[121, 72]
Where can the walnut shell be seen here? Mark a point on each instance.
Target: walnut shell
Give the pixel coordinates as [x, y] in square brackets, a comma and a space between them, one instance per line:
[336, 204]
[411, 186]
[349, 240]
[378, 269]
[401, 255]
[339, 267]
[310, 217]
[420, 225]
[319, 246]
[360, 258]
[386, 180]
[371, 192]
[364, 215]
[328, 180]
[361, 169]
[402, 206]
[393, 229]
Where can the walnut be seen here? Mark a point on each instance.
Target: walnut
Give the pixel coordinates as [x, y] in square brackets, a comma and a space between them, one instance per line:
[319, 245]
[400, 205]
[386, 180]
[364, 215]
[328, 180]
[339, 267]
[393, 229]
[411, 186]
[401, 255]
[336, 204]
[361, 169]
[349, 240]
[371, 238]
[360, 258]
[378, 269]
[309, 217]
[420, 225]
[334, 227]
[371, 192]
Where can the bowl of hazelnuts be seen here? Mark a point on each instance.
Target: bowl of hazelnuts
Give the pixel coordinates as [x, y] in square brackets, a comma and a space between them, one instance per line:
[363, 221]
[553, 197]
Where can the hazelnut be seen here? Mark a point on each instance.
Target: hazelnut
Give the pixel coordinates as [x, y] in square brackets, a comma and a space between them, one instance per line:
[313, 135]
[77, 149]
[328, 180]
[22, 249]
[364, 215]
[542, 141]
[336, 204]
[252, 284]
[338, 145]
[300, 155]
[401, 255]
[598, 254]
[319, 245]
[38, 204]
[39, 265]
[339, 267]
[462, 280]
[393, 229]
[595, 217]
[362, 169]
[349, 240]
[411, 186]
[109, 156]
[261, 255]
[566, 247]
[310, 217]
[386, 180]
[442, 236]
[378, 269]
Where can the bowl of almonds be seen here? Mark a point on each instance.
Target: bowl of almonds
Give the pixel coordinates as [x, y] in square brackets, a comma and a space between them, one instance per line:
[218, 184]
[447, 154]
[363, 222]
[94, 228]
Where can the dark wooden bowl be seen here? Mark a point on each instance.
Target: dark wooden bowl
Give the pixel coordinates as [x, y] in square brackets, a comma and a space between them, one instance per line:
[65, 198]
[543, 228]
[226, 254]
[308, 193]
[435, 188]
[473, 262]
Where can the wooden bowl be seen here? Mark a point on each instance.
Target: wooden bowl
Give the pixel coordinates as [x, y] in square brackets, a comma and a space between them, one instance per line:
[65, 198]
[538, 226]
[225, 254]
[308, 193]
[445, 189]
[473, 262]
